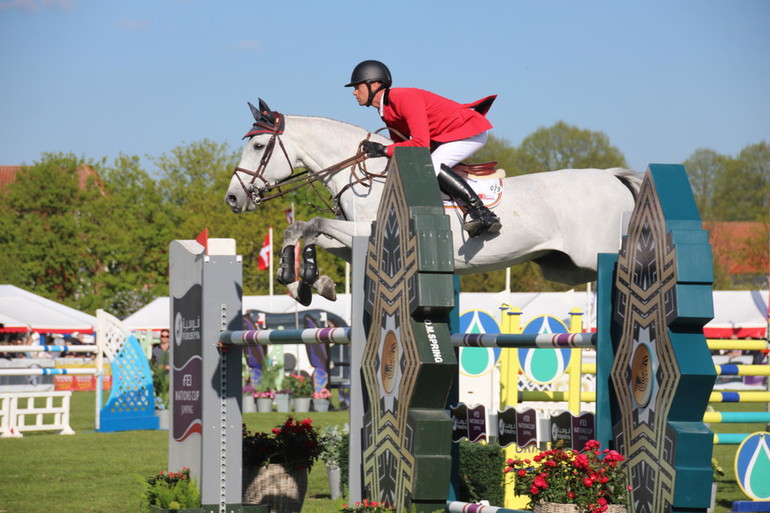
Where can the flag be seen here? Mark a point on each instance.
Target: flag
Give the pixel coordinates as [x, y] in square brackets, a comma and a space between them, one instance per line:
[289, 213]
[203, 240]
[266, 253]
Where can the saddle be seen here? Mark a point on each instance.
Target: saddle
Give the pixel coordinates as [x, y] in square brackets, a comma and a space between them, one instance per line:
[484, 169]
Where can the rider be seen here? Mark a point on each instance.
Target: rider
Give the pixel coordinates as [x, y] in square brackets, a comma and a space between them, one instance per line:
[452, 131]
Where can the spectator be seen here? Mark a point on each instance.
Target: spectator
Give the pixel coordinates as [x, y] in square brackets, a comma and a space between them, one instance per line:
[160, 355]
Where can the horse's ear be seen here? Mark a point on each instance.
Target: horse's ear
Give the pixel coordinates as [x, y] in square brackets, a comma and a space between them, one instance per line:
[255, 112]
[263, 107]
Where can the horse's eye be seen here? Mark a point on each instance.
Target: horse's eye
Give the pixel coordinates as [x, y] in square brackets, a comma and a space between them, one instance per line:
[259, 146]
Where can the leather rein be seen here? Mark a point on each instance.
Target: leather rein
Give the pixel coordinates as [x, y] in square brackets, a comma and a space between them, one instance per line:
[260, 194]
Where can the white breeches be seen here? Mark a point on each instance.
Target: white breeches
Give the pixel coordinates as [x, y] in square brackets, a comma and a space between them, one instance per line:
[454, 152]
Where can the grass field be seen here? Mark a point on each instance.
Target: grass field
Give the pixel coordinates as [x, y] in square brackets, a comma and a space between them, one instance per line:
[104, 472]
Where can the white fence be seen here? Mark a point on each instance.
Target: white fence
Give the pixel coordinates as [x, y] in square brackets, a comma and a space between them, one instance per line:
[34, 411]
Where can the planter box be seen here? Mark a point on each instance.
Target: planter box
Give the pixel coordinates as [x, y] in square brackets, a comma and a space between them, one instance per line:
[214, 508]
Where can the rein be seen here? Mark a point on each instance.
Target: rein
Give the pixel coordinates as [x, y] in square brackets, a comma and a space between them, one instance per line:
[261, 194]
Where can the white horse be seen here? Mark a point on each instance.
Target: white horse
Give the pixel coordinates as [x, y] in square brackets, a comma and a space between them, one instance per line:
[560, 219]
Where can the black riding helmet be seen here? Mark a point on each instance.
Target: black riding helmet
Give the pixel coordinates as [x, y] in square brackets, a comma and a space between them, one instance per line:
[370, 71]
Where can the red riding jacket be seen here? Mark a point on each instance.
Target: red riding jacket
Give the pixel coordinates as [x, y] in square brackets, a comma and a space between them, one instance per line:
[424, 117]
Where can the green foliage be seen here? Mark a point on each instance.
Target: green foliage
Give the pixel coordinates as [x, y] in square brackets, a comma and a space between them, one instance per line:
[294, 444]
[335, 447]
[481, 473]
[589, 478]
[174, 490]
[299, 385]
[732, 188]
[268, 379]
[160, 382]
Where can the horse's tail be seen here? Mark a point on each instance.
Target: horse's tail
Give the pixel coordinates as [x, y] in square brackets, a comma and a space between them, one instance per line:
[631, 179]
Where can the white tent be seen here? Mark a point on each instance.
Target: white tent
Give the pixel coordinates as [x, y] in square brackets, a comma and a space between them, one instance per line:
[740, 314]
[155, 315]
[29, 311]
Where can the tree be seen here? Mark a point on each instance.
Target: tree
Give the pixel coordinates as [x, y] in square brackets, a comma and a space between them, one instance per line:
[47, 236]
[704, 167]
[565, 146]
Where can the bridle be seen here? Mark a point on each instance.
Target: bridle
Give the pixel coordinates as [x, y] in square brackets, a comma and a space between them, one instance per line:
[260, 193]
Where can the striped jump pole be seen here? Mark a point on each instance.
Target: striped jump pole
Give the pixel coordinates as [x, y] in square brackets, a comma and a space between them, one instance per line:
[523, 340]
[469, 507]
[48, 372]
[750, 396]
[49, 349]
[717, 417]
[342, 336]
[303, 336]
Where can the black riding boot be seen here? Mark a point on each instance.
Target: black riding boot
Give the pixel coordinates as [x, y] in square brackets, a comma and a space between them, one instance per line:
[482, 219]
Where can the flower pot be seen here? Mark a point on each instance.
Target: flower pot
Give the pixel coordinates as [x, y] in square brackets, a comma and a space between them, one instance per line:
[335, 481]
[301, 404]
[281, 489]
[555, 507]
[249, 404]
[264, 405]
[282, 403]
[320, 404]
[164, 419]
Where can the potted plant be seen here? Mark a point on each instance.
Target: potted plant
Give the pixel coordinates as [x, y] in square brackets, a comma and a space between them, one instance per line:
[335, 442]
[367, 506]
[171, 492]
[160, 383]
[591, 480]
[275, 465]
[301, 389]
[248, 401]
[321, 399]
[266, 385]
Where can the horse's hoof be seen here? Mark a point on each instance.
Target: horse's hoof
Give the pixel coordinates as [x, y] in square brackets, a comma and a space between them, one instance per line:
[304, 293]
[301, 292]
[326, 288]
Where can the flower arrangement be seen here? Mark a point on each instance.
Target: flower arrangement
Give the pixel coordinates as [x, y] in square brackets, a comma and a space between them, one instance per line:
[334, 442]
[299, 385]
[268, 377]
[324, 393]
[294, 444]
[367, 506]
[591, 478]
[174, 490]
[266, 394]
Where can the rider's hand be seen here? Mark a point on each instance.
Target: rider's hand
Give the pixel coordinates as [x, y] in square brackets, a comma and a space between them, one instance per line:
[373, 149]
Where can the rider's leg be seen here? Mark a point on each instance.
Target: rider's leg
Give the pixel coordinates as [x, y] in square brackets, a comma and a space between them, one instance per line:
[444, 158]
[482, 219]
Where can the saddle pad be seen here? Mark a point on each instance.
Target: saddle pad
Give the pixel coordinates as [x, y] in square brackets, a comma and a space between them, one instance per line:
[489, 190]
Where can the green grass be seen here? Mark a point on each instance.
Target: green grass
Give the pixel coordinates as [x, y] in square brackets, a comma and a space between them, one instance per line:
[104, 472]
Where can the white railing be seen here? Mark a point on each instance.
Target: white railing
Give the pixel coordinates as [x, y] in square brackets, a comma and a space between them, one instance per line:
[23, 411]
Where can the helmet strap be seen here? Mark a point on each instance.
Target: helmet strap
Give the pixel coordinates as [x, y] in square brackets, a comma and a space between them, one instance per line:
[372, 93]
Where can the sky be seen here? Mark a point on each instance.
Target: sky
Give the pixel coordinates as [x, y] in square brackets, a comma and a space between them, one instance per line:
[660, 78]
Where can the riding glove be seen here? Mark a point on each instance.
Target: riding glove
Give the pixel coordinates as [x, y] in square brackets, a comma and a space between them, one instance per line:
[373, 149]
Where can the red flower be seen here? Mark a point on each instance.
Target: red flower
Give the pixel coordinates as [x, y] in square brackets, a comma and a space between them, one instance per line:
[587, 482]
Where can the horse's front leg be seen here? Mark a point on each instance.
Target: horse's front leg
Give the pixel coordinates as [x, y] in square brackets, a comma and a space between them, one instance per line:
[286, 263]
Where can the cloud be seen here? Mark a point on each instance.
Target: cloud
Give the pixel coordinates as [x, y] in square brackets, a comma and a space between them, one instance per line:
[249, 45]
[133, 24]
[36, 5]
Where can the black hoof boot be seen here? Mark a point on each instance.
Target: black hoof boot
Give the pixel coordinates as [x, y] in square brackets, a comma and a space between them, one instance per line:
[308, 273]
[285, 273]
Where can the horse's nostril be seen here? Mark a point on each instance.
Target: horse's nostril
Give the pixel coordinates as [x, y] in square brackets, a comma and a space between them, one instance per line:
[230, 200]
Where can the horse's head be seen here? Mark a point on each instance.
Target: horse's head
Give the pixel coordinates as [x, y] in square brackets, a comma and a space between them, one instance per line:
[257, 172]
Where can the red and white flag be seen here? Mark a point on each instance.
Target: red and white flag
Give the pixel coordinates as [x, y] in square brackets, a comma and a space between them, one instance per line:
[266, 253]
[289, 213]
